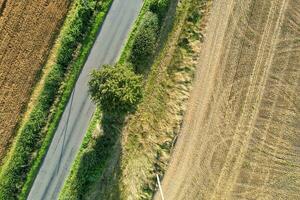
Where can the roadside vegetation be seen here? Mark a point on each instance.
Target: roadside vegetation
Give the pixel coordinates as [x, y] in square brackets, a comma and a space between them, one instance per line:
[75, 41]
[117, 90]
[151, 132]
[144, 43]
[148, 135]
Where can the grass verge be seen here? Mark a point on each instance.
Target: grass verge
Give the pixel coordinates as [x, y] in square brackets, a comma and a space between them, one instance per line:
[151, 132]
[145, 141]
[26, 155]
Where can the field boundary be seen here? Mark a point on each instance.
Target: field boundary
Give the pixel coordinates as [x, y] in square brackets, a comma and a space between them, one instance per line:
[241, 121]
[28, 150]
[150, 134]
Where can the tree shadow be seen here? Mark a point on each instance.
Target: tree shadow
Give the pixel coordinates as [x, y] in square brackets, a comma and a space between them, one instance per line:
[99, 167]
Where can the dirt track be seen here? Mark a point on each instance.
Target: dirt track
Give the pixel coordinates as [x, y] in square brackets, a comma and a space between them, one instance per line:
[26, 33]
[241, 134]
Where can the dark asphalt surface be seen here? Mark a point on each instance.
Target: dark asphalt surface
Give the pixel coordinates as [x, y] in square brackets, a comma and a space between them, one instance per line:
[76, 117]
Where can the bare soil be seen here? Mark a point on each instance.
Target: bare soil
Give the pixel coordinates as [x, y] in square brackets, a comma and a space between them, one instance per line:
[27, 30]
[241, 134]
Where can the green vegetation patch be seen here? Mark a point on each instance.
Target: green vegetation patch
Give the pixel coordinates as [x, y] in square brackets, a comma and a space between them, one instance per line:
[77, 37]
[144, 43]
[146, 35]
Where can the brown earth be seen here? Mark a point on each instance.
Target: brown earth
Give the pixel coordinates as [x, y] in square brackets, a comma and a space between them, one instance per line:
[27, 30]
[241, 134]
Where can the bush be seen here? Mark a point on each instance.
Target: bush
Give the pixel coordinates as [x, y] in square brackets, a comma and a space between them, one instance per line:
[159, 7]
[74, 35]
[115, 89]
[144, 43]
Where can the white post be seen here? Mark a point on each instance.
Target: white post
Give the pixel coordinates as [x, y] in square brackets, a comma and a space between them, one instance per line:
[160, 189]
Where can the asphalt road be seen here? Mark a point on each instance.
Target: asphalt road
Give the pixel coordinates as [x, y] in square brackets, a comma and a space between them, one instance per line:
[76, 117]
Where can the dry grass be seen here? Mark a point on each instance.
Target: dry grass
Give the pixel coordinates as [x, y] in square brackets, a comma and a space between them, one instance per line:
[27, 30]
[150, 133]
[240, 136]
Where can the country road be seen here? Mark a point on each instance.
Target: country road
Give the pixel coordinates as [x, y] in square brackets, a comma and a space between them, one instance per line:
[240, 137]
[76, 117]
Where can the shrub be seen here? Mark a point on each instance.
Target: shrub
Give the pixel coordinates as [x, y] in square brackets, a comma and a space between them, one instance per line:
[144, 43]
[159, 7]
[115, 89]
[74, 35]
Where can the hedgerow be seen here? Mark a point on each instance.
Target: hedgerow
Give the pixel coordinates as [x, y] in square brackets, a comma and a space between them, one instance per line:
[22, 164]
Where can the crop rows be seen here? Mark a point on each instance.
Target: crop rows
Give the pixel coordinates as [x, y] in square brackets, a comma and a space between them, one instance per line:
[26, 34]
[240, 137]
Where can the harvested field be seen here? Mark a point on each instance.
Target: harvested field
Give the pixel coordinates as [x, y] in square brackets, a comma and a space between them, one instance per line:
[241, 134]
[27, 30]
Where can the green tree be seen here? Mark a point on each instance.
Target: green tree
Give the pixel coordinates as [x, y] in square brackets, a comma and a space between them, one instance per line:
[115, 89]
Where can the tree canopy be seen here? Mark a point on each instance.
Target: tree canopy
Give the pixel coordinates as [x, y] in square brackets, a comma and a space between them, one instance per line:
[115, 88]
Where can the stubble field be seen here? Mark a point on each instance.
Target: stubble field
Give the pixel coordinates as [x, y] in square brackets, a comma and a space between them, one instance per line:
[241, 134]
[27, 30]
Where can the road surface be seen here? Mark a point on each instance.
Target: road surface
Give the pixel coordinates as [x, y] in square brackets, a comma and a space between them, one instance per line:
[241, 134]
[76, 117]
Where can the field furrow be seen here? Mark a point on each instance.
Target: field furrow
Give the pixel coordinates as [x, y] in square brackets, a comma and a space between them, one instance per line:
[27, 30]
[240, 136]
